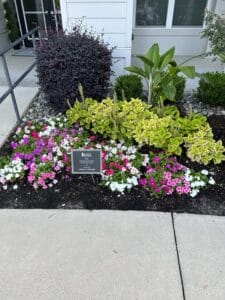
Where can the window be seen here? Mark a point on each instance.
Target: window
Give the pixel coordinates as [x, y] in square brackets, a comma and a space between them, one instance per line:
[189, 13]
[151, 12]
[170, 13]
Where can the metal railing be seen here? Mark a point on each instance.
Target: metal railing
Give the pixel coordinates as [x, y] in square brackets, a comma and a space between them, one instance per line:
[13, 85]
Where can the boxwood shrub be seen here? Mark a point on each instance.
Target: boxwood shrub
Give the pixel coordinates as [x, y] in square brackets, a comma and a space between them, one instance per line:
[180, 86]
[212, 90]
[128, 86]
[66, 59]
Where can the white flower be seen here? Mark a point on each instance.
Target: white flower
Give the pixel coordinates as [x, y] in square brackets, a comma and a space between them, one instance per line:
[15, 187]
[4, 187]
[55, 181]
[132, 150]
[8, 176]
[59, 152]
[194, 192]
[60, 164]
[113, 186]
[129, 186]
[205, 172]
[134, 171]
[132, 156]
[211, 181]
[18, 130]
[114, 150]
[133, 180]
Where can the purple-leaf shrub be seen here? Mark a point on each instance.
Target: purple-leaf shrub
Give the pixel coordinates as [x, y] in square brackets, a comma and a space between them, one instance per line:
[65, 60]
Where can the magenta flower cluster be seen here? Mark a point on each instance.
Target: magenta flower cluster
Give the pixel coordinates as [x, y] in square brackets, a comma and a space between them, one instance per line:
[45, 150]
[164, 176]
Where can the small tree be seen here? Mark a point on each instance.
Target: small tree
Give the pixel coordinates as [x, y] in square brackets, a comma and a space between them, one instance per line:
[215, 32]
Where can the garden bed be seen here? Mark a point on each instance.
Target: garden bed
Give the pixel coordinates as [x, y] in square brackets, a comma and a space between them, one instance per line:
[83, 191]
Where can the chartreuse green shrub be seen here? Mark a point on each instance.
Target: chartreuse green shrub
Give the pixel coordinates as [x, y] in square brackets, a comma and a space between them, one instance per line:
[130, 115]
[128, 86]
[105, 118]
[212, 90]
[137, 120]
[202, 148]
[81, 112]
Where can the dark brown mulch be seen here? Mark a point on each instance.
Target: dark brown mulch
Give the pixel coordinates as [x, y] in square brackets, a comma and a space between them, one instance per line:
[80, 192]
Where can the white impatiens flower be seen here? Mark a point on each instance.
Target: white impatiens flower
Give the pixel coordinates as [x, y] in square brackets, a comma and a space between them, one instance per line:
[114, 150]
[194, 193]
[98, 146]
[15, 187]
[9, 176]
[133, 180]
[113, 186]
[134, 171]
[205, 172]
[211, 181]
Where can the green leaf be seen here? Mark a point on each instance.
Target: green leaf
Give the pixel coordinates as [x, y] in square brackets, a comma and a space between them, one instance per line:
[157, 78]
[189, 71]
[170, 91]
[146, 60]
[166, 58]
[154, 55]
[148, 64]
[137, 71]
[204, 77]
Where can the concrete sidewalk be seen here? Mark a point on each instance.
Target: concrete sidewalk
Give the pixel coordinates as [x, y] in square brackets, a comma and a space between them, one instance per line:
[104, 255]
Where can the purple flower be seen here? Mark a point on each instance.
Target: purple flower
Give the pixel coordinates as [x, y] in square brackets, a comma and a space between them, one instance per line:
[18, 155]
[26, 140]
[37, 151]
[14, 145]
[156, 159]
[28, 156]
[143, 182]
[57, 131]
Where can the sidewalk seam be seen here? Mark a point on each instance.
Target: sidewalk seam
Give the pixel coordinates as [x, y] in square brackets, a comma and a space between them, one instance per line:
[178, 257]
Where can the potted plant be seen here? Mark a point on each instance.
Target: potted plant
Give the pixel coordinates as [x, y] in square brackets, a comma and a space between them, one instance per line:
[11, 23]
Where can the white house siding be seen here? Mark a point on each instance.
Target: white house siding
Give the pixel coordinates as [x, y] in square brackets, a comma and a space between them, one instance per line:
[113, 18]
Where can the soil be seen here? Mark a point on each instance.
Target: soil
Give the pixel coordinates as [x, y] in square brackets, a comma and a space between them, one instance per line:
[83, 192]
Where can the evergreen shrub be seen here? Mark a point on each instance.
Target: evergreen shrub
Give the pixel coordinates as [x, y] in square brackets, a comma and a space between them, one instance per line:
[212, 90]
[128, 86]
